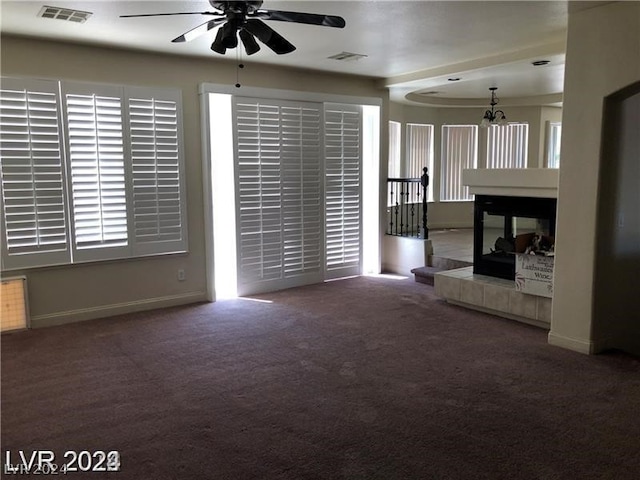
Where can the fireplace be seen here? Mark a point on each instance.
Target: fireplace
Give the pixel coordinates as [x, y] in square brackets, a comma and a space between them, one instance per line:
[507, 225]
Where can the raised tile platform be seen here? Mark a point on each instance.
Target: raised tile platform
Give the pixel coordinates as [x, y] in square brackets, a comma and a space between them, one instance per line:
[492, 295]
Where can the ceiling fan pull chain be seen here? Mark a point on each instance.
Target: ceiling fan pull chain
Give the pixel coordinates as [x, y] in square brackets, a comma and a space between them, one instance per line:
[239, 65]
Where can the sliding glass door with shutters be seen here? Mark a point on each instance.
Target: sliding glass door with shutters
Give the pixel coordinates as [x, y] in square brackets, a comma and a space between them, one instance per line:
[298, 193]
[343, 190]
[278, 194]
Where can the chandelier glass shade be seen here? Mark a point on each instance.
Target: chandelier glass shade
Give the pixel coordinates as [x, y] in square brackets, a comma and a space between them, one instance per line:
[492, 116]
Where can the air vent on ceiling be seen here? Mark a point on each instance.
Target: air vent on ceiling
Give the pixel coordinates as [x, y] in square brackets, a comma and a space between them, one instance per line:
[432, 92]
[347, 56]
[67, 14]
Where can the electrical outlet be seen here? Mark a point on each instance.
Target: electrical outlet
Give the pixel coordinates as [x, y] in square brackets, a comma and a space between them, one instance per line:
[620, 220]
[181, 275]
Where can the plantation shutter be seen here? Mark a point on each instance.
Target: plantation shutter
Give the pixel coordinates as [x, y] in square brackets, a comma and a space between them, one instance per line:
[33, 210]
[343, 209]
[420, 152]
[96, 157]
[507, 145]
[157, 171]
[279, 198]
[459, 151]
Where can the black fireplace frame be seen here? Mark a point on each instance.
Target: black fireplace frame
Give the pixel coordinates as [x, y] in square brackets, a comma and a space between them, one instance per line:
[509, 207]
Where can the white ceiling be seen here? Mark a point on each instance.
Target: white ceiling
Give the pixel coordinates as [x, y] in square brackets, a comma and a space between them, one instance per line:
[411, 46]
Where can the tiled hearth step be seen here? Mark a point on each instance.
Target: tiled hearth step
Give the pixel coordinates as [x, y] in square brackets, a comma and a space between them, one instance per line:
[492, 295]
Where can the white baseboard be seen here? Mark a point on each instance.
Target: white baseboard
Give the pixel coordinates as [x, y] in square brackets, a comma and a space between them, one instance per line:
[82, 314]
[588, 347]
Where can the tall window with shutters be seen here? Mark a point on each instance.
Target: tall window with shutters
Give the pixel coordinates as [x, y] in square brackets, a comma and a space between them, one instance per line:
[507, 145]
[298, 192]
[343, 172]
[459, 151]
[420, 152]
[117, 208]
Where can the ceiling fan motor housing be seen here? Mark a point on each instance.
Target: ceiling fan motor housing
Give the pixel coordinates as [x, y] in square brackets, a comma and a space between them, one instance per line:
[236, 7]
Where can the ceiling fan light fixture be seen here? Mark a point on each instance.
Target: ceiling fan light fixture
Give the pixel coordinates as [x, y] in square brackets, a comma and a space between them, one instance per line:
[218, 44]
[229, 37]
[250, 44]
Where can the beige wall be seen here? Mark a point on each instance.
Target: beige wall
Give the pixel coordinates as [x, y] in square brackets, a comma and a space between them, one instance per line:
[59, 294]
[603, 56]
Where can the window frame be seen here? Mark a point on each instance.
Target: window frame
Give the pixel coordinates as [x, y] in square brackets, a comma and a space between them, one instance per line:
[394, 169]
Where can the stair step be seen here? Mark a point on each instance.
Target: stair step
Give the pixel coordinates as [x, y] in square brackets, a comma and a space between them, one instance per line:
[444, 263]
[425, 274]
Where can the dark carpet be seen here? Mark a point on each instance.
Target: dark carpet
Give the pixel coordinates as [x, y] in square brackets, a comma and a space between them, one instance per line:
[365, 378]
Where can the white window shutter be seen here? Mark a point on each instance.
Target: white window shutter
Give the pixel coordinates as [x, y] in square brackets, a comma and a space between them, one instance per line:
[507, 145]
[301, 190]
[459, 151]
[343, 190]
[279, 208]
[420, 152]
[157, 171]
[34, 221]
[96, 153]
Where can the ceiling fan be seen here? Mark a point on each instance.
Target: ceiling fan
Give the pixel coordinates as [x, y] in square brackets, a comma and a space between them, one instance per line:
[244, 20]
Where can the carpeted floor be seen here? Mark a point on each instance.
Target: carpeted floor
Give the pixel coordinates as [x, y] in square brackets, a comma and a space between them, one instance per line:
[365, 378]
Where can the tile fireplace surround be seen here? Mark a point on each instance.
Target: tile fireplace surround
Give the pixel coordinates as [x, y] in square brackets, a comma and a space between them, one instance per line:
[489, 294]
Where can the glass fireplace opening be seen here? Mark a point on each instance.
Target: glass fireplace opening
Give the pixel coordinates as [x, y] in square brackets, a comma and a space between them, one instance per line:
[505, 226]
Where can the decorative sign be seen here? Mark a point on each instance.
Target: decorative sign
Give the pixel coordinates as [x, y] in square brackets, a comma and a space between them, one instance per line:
[534, 274]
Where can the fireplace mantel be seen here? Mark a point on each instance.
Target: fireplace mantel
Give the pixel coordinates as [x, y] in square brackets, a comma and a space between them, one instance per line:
[512, 182]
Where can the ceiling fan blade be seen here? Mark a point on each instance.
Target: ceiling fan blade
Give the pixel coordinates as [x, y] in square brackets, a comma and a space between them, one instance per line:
[166, 14]
[299, 17]
[199, 30]
[268, 36]
[250, 44]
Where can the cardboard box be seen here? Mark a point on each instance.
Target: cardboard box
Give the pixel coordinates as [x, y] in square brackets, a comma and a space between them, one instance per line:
[534, 274]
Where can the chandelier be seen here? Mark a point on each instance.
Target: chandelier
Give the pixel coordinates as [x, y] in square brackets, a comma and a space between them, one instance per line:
[493, 117]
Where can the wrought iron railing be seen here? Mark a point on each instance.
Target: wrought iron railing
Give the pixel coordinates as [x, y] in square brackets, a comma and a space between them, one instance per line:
[407, 206]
